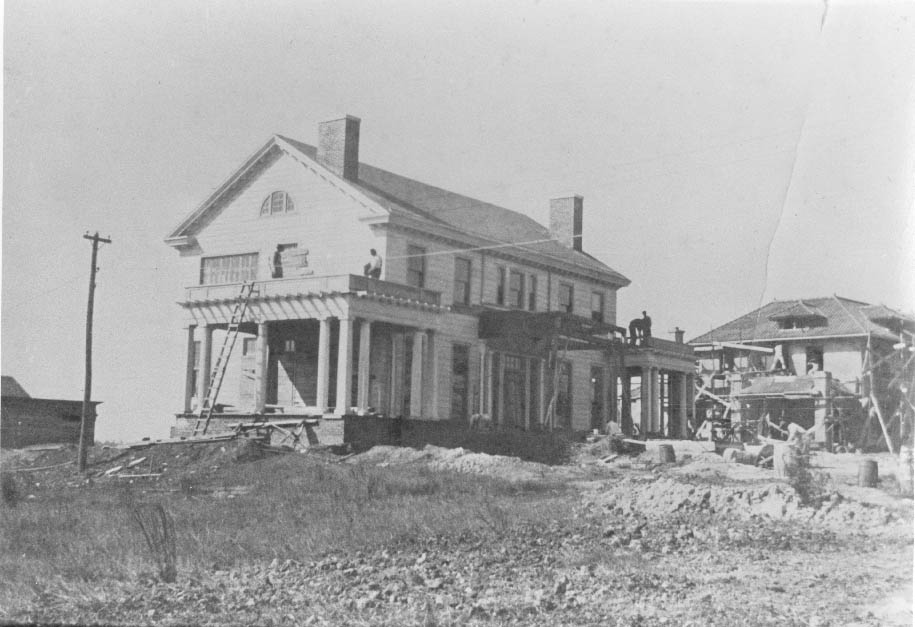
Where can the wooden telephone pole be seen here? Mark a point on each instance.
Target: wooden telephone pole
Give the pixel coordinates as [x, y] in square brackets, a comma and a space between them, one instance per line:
[87, 391]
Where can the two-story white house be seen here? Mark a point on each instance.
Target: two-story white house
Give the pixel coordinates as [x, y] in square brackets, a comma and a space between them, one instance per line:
[478, 309]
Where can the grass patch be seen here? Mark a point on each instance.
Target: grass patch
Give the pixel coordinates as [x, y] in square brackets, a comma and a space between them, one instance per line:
[296, 508]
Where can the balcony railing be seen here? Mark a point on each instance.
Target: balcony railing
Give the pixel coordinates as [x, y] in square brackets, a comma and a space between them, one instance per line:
[315, 286]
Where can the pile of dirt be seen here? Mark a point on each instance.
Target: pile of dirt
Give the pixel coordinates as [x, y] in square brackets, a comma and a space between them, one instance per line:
[661, 496]
[455, 459]
[55, 467]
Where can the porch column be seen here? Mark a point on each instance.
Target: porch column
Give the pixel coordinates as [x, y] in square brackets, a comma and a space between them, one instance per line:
[416, 375]
[527, 391]
[430, 377]
[261, 365]
[626, 402]
[483, 379]
[655, 400]
[189, 369]
[323, 383]
[206, 357]
[344, 366]
[398, 359]
[645, 401]
[365, 342]
[543, 401]
[684, 388]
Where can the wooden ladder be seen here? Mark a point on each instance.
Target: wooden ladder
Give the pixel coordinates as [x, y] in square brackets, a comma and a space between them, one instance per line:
[222, 361]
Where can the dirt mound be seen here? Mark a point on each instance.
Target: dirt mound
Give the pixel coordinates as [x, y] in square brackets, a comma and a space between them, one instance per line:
[455, 459]
[658, 497]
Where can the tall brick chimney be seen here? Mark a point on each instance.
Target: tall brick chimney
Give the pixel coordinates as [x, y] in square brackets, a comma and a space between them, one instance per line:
[565, 220]
[338, 146]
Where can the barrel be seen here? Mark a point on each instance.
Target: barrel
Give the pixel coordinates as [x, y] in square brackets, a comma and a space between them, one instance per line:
[905, 470]
[867, 473]
[666, 454]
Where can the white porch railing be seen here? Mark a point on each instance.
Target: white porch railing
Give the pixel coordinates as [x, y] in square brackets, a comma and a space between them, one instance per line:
[316, 286]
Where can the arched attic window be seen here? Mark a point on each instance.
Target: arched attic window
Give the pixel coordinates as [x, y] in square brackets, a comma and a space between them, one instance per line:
[277, 202]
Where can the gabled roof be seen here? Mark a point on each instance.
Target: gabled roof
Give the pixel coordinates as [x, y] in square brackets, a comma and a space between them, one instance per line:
[10, 387]
[843, 316]
[402, 196]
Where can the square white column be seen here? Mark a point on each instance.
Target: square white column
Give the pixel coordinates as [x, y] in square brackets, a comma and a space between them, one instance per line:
[261, 365]
[430, 378]
[344, 366]
[206, 360]
[365, 342]
[655, 400]
[645, 401]
[323, 383]
[416, 374]
[189, 369]
[398, 359]
[684, 390]
[483, 391]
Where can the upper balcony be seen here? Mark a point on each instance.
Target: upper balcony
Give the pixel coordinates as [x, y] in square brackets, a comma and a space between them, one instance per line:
[314, 286]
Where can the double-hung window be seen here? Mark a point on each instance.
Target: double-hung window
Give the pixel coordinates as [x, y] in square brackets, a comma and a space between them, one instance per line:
[416, 266]
[461, 281]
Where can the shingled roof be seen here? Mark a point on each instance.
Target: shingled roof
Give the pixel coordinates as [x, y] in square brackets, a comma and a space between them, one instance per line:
[843, 316]
[399, 194]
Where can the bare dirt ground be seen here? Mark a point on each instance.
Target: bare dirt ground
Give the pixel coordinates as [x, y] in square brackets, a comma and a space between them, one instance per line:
[627, 541]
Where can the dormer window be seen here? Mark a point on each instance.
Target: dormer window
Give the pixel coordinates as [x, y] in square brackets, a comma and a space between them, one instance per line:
[277, 202]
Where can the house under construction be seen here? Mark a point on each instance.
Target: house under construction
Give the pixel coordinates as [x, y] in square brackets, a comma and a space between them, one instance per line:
[839, 367]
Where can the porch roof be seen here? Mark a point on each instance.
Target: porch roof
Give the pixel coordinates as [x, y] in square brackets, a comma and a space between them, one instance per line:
[309, 297]
[581, 333]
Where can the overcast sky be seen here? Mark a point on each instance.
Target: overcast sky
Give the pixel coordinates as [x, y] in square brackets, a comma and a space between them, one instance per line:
[728, 153]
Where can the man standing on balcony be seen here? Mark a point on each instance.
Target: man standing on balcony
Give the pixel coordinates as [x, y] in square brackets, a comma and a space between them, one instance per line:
[373, 267]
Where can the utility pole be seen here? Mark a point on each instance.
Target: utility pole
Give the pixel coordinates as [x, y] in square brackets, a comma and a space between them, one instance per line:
[87, 391]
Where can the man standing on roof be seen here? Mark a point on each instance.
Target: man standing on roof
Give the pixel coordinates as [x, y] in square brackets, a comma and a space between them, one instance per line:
[646, 325]
[373, 267]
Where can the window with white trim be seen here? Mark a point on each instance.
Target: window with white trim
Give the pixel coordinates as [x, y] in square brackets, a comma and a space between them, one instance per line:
[277, 202]
[228, 269]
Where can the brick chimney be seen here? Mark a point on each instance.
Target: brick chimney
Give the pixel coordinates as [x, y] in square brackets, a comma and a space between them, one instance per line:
[338, 146]
[678, 335]
[565, 220]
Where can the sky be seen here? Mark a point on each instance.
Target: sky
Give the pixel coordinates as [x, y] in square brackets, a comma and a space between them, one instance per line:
[728, 153]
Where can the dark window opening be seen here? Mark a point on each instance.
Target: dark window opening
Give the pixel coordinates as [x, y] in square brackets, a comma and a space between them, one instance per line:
[516, 289]
[566, 296]
[597, 306]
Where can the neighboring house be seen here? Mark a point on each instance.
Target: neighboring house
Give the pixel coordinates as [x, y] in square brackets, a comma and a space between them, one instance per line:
[25, 421]
[478, 309]
[807, 358]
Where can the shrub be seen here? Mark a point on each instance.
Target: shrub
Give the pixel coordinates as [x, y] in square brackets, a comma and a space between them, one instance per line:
[159, 531]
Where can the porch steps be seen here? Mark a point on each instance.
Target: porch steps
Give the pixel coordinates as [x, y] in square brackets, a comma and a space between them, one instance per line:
[222, 361]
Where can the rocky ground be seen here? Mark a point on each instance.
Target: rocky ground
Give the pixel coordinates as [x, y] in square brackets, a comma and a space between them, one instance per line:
[697, 542]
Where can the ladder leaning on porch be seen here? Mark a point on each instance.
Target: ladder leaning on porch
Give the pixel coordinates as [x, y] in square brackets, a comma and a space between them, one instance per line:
[222, 361]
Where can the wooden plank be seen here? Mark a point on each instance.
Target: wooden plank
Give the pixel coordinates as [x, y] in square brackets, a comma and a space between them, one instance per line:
[137, 462]
[886, 434]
